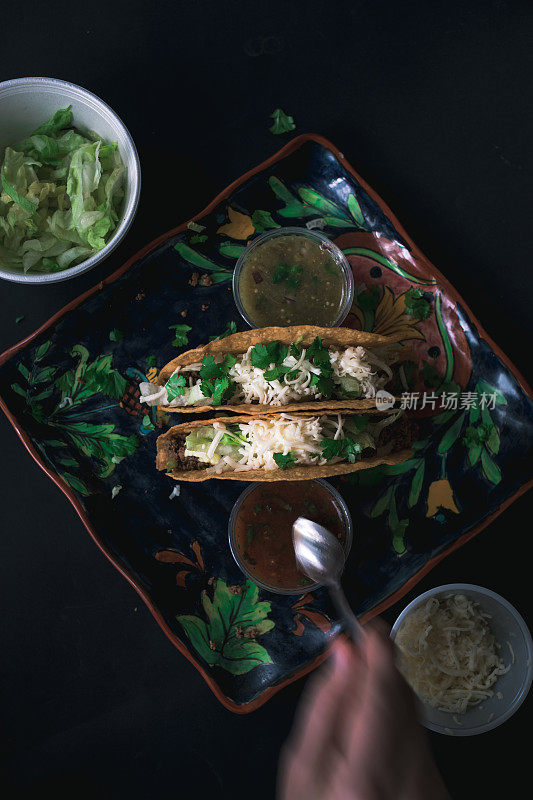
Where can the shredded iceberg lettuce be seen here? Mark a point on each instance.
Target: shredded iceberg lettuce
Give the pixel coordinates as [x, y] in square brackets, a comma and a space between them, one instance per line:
[61, 197]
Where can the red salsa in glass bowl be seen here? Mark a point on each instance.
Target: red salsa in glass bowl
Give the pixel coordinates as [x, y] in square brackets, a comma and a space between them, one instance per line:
[260, 529]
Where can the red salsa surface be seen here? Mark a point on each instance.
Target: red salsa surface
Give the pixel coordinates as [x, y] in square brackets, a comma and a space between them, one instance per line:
[263, 528]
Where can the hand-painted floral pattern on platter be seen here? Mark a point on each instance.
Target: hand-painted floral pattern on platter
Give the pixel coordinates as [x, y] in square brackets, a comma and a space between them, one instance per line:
[72, 391]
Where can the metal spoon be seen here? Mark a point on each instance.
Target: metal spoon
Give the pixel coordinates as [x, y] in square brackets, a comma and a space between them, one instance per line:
[321, 557]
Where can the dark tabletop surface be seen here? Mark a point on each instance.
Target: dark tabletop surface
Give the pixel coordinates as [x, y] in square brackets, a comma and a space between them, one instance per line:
[431, 103]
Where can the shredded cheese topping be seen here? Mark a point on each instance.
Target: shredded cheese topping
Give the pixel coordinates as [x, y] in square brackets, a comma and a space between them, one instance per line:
[448, 654]
[369, 368]
[300, 436]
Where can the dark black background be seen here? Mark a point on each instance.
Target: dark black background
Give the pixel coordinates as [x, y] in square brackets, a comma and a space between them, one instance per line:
[431, 102]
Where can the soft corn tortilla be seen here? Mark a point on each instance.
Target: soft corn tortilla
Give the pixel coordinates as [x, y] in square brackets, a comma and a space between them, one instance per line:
[300, 473]
[238, 343]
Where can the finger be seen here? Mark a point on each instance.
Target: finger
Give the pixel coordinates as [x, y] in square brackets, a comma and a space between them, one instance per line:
[382, 700]
[319, 710]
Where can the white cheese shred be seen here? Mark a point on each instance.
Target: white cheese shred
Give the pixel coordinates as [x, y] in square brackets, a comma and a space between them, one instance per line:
[448, 654]
[301, 436]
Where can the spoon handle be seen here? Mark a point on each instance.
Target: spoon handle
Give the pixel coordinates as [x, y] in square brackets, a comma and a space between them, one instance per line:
[346, 614]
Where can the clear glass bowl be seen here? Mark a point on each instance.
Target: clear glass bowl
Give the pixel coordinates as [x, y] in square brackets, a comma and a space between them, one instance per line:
[507, 626]
[332, 249]
[345, 515]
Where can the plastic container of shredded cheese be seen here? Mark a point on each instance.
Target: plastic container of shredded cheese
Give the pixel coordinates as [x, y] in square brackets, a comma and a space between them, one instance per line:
[516, 651]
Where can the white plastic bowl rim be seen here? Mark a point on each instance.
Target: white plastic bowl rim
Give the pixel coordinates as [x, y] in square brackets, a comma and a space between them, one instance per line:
[473, 589]
[134, 179]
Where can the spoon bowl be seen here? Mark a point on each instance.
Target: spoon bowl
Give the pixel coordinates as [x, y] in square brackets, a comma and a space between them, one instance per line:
[321, 557]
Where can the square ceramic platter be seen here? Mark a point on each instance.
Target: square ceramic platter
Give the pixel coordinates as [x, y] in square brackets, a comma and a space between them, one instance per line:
[71, 392]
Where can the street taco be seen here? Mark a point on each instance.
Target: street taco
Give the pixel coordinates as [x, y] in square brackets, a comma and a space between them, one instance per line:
[284, 446]
[271, 369]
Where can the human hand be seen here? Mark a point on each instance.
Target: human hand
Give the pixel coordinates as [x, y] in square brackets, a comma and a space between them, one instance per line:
[356, 735]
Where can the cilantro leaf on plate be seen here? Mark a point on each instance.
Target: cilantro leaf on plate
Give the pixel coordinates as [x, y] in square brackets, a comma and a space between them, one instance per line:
[115, 335]
[283, 123]
[181, 334]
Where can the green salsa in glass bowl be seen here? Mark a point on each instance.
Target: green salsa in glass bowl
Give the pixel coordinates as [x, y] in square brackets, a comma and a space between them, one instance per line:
[293, 276]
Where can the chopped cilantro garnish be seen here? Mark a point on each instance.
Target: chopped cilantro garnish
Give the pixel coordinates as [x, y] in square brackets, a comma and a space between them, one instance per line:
[181, 332]
[210, 369]
[341, 448]
[250, 533]
[311, 506]
[276, 373]
[151, 361]
[283, 461]
[319, 354]
[198, 238]
[291, 275]
[280, 273]
[284, 505]
[416, 304]
[257, 509]
[175, 386]
[229, 362]
[263, 355]
[223, 388]
[295, 350]
[115, 335]
[282, 122]
[217, 389]
[330, 268]
[19, 318]
[323, 383]
[231, 328]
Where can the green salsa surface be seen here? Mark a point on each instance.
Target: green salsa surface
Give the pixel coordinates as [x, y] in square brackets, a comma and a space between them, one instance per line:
[291, 280]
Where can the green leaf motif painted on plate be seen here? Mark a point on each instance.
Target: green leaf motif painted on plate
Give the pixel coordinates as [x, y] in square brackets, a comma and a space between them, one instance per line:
[85, 380]
[318, 201]
[451, 435]
[490, 469]
[355, 210]
[197, 259]
[416, 485]
[293, 207]
[231, 250]
[227, 637]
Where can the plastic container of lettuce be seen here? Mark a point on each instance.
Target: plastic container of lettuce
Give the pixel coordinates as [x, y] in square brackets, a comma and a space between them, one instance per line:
[105, 180]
